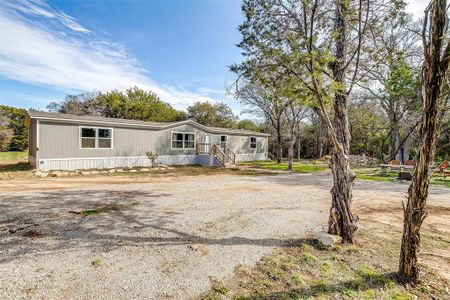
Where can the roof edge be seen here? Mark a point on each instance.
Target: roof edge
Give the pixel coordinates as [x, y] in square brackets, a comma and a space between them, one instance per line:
[162, 126]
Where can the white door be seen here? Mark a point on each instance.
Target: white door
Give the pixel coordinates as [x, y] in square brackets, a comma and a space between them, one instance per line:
[207, 143]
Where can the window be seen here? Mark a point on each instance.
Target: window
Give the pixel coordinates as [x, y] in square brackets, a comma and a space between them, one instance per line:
[87, 137]
[224, 139]
[92, 138]
[252, 142]
[183, 140]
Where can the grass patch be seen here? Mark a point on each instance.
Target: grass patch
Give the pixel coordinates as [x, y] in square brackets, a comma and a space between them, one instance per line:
[308, 258]
[13, 157]
[96, 262]
[89, 212]
[303, 166]
[219, 287]
[305, 271]
[15, 162]
[374, 174]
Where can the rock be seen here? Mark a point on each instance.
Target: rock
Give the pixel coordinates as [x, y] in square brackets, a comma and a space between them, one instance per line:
[95, 172]
[362, 160]
[193, 247]
[326, 239]
[41, 174]
[112, 171]
[133, 171]
[85, 173]
[144, 170]
[59, 174]
[120, 170]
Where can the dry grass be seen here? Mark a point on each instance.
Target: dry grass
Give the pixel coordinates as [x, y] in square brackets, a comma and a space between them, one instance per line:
[366, 270]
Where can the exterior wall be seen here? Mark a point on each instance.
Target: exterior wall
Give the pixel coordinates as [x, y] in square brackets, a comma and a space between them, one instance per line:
[240, 144]
[32, 143]
[59, 147]
[62, 140]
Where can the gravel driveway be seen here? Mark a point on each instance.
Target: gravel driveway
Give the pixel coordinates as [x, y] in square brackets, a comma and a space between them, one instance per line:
[158, 240]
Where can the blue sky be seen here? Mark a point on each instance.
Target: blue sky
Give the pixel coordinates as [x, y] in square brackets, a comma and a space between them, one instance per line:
[180, 49]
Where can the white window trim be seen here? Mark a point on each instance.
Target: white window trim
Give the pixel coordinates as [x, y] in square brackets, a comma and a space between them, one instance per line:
[183, 132]
[220, 138]
[256, 142]
[96, 137]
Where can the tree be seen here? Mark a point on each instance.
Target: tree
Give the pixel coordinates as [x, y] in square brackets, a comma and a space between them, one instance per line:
[393, 81]
[322, 49]
[6, 133]
[436, 51]
[86, 103]
[367, 122]
[133, 103]
[212, 114]
[15, 125]
[267, 104]
[248, 124]
[295, 113]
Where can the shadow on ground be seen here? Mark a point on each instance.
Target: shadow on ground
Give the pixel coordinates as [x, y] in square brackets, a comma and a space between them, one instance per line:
[52, 221]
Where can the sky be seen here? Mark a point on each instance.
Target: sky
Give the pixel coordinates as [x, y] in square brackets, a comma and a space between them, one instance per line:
[180, 49]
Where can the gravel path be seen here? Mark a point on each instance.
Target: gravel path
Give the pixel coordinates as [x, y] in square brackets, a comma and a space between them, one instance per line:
[155, 240]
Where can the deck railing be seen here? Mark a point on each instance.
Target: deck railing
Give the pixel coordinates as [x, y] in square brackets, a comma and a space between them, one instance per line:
[222, 152]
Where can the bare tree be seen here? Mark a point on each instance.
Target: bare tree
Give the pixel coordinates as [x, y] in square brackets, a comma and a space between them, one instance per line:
[295, 113]
[263, 102]
[436, 44]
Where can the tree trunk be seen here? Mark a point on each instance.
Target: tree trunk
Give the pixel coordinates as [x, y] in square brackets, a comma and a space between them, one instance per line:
[299, 149]
[320, 141]
[433, 72]
[279, 143]
[398, 154]
[341, 220]
[406, 147]
[292, 141]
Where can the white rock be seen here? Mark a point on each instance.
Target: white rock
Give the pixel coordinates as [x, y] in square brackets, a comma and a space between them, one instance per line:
[61, 174]
[41, 174]
[326, 239]
[144, 170]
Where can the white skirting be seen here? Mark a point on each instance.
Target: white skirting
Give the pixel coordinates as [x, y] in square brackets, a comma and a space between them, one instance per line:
[81, 163]
[113, 162]
[251, 156]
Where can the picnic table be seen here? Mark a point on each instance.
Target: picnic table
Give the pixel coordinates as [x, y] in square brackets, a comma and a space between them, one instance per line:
[395, 167]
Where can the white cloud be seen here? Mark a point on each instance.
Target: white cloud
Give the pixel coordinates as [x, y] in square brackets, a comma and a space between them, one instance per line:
[67, 56]
[417, 8]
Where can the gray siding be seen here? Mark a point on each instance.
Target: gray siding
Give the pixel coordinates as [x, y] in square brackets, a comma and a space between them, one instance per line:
[240, 144]
[32, 138]
[62, 140]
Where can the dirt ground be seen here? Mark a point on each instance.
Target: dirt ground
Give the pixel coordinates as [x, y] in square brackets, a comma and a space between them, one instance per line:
[169, 237]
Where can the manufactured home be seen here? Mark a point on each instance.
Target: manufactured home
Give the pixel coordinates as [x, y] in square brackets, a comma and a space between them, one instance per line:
[70, 142]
